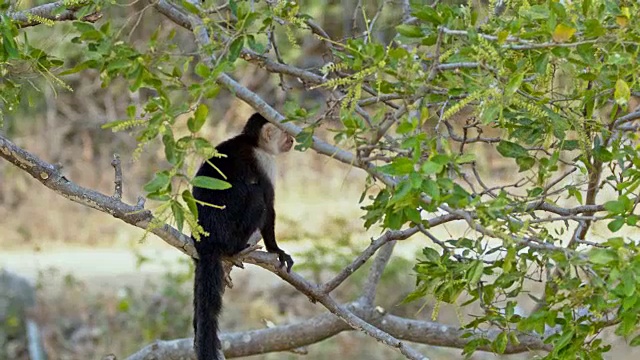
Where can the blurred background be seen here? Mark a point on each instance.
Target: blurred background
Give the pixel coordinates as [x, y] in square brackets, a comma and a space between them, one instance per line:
[100, 288]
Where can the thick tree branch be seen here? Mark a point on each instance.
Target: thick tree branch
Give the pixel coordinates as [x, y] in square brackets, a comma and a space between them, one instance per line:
[52, 11]
[318, 328]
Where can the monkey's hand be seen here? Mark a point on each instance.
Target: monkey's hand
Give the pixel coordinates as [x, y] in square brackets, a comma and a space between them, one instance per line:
[285, 259]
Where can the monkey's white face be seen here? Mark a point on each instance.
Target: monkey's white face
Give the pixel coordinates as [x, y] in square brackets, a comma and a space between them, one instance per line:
[275, 141]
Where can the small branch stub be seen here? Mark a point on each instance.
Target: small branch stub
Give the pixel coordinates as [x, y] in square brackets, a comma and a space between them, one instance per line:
[118, 180]
[140, 203]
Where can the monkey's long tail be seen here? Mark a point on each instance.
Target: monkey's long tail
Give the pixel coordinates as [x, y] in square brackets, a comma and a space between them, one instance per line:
[207, 303]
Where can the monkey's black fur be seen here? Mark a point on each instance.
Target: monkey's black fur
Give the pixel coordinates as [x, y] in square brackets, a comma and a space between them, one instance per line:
[248, 207]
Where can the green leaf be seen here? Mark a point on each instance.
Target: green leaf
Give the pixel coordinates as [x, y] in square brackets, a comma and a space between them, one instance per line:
[563, 340]
[416, 180]
[170, 151]
[83, 27]
[399, 166]
[191, 202]
[203, 146]
[514, 84]
[429, 15]
[635, 341]
[502, 36]
[586, 5]
[82, 66]
[178, 214]
[602, 256]
[159, 182]
[431, 255]
[123, 305]
[431, 167]
[622, 92]
[394, 220]
[602, 154]
[411, 31]
[615, 207]
[235, 49]
[628, 284]
[255, 46]
[131, 111]
[616, 224]
[541, 63]
[304, 139]
[475, 273]
[405, 127]
[203, 70]
[570, 145]
[413, 215]
[190, 7]
[525, 163]
[563, 33]
[490, 113]
[536, 191]
[511, 150]
[118, 64]
[441, 159]
[500, 343]
[628, 324]
[465, 158]
[431, 188]
[593, 28]
[199, 117]
[10, 45]
[210, 183]
[402, 190]
[536, 12]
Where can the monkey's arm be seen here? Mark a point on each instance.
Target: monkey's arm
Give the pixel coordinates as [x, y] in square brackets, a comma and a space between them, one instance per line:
[269, 236]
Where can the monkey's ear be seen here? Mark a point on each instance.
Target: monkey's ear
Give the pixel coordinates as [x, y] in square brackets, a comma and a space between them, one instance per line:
[268, 132]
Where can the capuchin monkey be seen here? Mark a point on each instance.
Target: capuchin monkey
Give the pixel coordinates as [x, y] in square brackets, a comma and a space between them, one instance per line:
[249, 166]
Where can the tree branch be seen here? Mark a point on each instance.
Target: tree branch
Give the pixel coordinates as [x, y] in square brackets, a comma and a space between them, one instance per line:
[52, 11]
[375, 273]
[51, 177]
[321, 327]
[626, 118]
